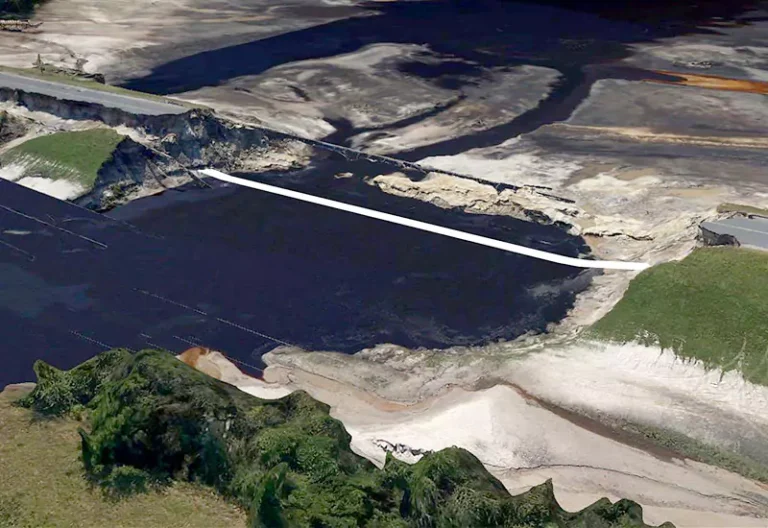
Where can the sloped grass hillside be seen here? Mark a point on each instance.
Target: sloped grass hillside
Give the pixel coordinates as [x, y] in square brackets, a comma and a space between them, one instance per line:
[152, 421]
[42, 484]
[711, 306]
[68, 157]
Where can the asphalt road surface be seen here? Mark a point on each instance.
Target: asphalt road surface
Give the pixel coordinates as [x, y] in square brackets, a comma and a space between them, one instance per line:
[133, 105]
[748, 231]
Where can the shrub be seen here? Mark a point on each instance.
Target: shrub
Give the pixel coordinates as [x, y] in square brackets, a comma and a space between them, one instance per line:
[287, 462]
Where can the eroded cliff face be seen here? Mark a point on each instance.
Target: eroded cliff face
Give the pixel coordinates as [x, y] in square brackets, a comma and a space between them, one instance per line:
[11, 128]
[199, 138]
[132, 168]
[194, 136]
[159, 151]
[450, 192]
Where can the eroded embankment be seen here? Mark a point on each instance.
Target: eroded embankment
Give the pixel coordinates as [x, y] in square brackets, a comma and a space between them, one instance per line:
[196, 136]
[160, 151]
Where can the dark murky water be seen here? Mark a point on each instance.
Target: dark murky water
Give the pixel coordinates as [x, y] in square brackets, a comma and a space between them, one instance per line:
[242, 271]
[473, 36]
[582, 40]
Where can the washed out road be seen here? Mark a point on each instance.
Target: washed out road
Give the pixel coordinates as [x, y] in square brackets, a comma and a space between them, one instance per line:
[68, 92]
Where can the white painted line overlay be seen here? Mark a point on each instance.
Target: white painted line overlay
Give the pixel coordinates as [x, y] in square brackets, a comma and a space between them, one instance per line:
[453, 233]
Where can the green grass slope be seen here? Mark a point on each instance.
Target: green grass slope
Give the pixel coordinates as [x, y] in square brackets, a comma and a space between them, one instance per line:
[75, 156]
[153, 421]
[42, 484]
[711, 306]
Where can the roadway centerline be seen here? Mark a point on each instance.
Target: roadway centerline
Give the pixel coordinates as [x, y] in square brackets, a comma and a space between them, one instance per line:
[423, 226]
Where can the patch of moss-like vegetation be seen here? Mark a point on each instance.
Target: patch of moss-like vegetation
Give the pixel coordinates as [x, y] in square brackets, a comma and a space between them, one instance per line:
[74, 156]
[14, 8]
[711, 306]
[10, 128]
[154, 420]
[42, 483]
[697, 450]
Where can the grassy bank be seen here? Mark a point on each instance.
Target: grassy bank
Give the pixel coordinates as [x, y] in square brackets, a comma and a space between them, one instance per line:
[42, 484]
[154, 421]
[711, 306]
[10, 128]
[75, 156]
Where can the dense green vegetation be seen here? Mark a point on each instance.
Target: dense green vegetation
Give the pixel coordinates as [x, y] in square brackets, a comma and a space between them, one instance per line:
[154, 420]
[17, 7]
[76, 156]
[42, 484]
[712, 306]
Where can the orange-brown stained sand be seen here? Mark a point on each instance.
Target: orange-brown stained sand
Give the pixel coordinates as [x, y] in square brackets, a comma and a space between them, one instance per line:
[713, 82]
[192, 357]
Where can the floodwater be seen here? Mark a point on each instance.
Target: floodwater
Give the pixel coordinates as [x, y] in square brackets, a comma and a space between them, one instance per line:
[472, 37]
[244, 271]
[583, 41]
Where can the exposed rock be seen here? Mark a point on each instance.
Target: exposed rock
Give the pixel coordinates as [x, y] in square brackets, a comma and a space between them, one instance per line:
[18, 26]
[451, 192]
[72, 72]
[15, 391]
[196, 137]
[402, 451]
[11, 127]
[131, 166]
[710, 238]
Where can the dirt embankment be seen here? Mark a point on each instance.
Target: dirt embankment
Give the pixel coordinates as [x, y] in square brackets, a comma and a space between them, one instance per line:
[132, 166]
[195, 136]
[160, 151]
[11, 128]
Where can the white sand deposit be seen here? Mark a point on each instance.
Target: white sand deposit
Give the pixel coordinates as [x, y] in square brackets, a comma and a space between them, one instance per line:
[523, 440]
[62, 189]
